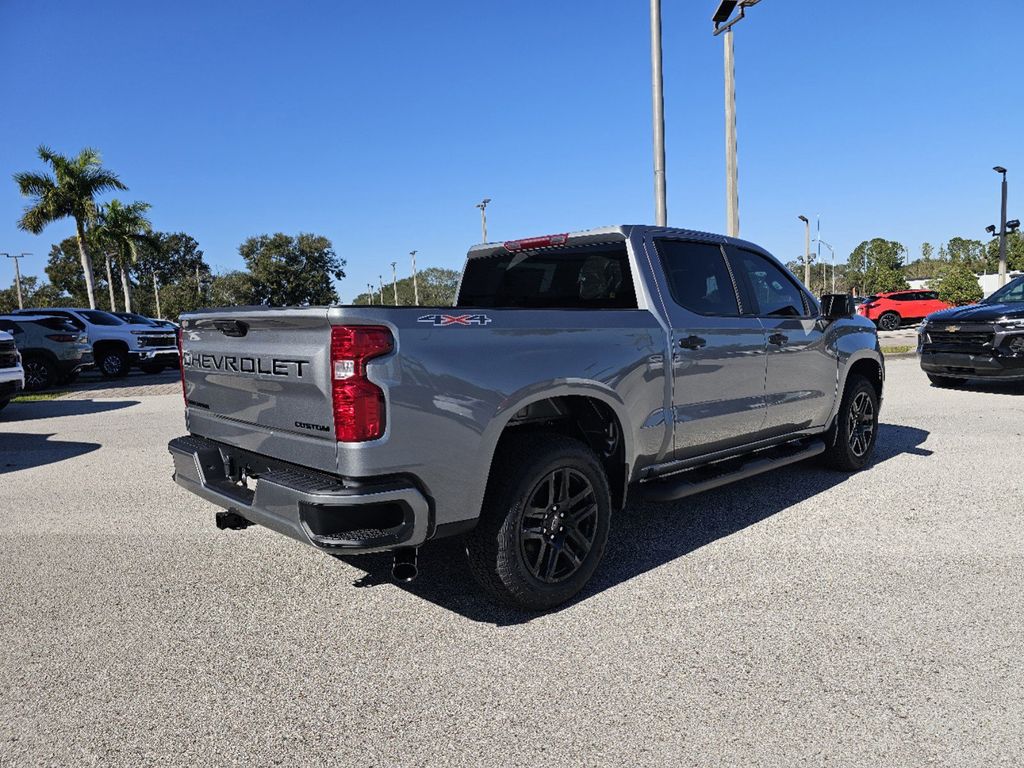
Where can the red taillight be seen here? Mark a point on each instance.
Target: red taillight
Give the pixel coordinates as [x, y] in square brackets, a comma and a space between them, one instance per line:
[181, 365]
[358, 402]
[63, 338]
[535, 242]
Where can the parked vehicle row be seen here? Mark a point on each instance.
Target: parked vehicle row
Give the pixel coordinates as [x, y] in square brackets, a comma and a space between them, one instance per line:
[12, 376]
[52, 350]
[890, 310]
[116, 345]
[983, 340]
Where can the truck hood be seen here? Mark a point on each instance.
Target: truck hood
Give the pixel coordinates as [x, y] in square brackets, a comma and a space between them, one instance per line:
[979, 313]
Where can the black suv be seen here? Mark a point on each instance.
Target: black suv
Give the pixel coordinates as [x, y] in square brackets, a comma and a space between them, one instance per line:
[983, 340]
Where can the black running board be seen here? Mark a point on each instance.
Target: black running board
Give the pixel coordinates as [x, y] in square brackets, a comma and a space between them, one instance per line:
[716, 475]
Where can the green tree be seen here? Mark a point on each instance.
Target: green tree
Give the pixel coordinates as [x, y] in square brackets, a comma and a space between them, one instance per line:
[1014, 253]
[171, 268]
[232, 289]
[289, 271]
[70, 192]
[958, 285]
[64, 270]
[436, 287]
[877, 266]
[121, 229]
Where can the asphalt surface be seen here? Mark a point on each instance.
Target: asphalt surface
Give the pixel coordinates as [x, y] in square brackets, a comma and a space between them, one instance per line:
[800, 618]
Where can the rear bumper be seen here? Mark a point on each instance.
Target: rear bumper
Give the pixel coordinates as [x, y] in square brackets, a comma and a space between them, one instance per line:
[329, 513]
[970, 366]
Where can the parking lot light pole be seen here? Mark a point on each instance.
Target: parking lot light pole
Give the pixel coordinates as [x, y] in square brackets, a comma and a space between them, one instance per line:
[17, 274]
[415, 286]
[369, 291]
[658, 108]
[482, 205]
[807, 250]
[833, 252]
[1002, 229]
[394, 280]
[723, 26]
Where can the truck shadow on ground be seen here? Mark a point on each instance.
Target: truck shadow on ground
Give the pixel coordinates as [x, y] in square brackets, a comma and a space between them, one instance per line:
[643, 537]
[50, 409]
[23, 451]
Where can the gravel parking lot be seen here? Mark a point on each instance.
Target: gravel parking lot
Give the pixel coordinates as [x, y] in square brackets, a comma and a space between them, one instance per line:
[804, 617]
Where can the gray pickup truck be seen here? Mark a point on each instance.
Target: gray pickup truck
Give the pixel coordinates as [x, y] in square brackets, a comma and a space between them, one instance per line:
[573, 371]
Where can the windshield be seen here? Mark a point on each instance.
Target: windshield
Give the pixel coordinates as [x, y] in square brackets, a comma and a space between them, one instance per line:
[133, 317]
[1011, 293]
[97, 317]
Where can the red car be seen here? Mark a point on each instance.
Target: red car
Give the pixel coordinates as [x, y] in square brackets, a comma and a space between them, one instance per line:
[889, 310]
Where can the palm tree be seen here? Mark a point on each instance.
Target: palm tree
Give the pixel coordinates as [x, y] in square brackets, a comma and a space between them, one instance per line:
[71, 191]
[121, 229]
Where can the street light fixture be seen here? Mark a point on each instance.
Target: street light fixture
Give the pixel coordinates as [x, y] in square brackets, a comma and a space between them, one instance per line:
[482, 205]
[807, 249]
[415, 287]
[833, 252]
[1002, 228]
[991, 229]
[17, 273]
[723, 25]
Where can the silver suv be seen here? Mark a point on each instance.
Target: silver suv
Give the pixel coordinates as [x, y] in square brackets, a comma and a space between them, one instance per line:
[52, 350]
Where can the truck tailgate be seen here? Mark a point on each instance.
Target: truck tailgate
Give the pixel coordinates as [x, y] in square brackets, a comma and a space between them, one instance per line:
[267, 368]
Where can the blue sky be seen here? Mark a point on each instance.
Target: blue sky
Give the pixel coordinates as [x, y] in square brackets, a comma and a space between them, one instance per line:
[381, 125]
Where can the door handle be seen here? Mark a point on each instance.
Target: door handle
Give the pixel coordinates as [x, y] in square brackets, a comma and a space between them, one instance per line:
[693, 342]
[778, 339]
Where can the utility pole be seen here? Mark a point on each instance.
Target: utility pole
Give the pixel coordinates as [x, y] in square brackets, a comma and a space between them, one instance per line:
[17, 274]
[394, 280]
[156, 295]
[415, 286]
[1002, 230]
[658, 108]
[482, 205]
[807, 250]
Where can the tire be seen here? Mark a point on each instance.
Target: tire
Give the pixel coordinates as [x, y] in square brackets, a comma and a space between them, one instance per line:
[40, 373]
[889, 321]
[151, 368]
[520, 552]
[851, 440]
[112, 363]
[4, 402]
[945, 381]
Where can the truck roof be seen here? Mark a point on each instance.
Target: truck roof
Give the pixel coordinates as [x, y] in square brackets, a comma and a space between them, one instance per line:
[598, 234]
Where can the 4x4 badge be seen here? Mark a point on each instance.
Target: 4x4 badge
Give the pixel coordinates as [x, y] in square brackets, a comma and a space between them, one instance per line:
[440, 321]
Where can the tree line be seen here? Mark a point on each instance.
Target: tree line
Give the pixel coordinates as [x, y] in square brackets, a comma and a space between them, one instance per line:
[880, 265]
[117, 261]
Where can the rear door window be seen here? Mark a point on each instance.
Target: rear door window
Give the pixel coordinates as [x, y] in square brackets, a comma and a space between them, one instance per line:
[765, 287]
[698, 277]
[572, 277]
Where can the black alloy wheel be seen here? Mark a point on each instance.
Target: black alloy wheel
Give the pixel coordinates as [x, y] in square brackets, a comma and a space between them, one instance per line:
[889, 321]
[558, 526]
[40, 373]
[862, 424]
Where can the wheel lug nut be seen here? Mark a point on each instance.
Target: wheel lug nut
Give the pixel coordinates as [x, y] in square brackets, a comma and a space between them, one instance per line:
[561, 514]
[561, 529]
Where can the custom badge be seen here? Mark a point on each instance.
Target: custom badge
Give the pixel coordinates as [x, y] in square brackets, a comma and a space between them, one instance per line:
[441, 321]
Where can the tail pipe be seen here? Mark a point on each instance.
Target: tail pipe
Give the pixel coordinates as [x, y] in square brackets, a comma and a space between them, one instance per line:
[404, 568]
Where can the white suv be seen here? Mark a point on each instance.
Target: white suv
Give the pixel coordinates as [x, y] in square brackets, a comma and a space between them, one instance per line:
[12, 376]
[117, 345]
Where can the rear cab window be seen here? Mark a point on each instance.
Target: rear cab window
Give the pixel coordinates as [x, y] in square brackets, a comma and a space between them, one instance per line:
[591, 276]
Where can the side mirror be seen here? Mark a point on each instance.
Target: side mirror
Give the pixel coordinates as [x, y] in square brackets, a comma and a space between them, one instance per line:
[835, 306]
